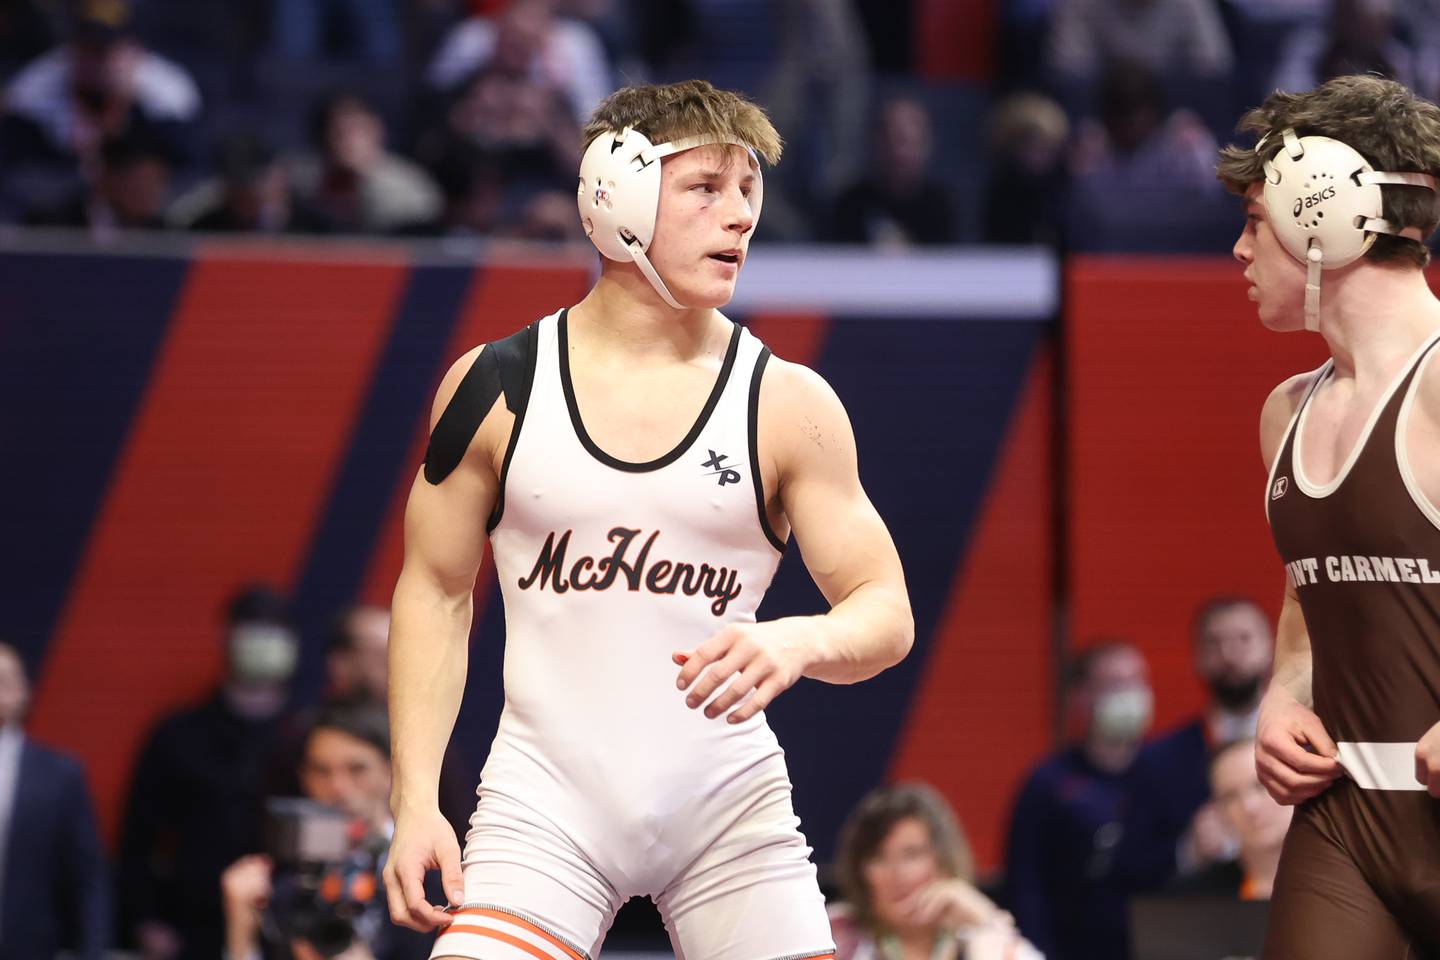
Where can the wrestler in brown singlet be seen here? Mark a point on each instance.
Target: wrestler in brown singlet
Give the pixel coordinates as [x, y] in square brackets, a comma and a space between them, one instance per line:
[1350, 726]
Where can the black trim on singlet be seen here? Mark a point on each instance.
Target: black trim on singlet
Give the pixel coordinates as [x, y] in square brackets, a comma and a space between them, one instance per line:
[517, 355]
[503, 368]
[594, 450]
[754, 430]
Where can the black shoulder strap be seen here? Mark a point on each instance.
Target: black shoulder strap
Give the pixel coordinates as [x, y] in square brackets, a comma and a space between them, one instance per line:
[503, 368]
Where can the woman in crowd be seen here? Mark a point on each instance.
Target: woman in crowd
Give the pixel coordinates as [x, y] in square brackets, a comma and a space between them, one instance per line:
[906, 872]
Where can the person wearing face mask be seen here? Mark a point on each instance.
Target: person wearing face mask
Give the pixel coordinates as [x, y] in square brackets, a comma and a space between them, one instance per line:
[908, 878]
[1069, 818]
[194, 804]
[1174, 827]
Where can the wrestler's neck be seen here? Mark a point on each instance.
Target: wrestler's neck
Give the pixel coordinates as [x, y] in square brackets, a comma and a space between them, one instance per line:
[1374, 316]
[623, 317]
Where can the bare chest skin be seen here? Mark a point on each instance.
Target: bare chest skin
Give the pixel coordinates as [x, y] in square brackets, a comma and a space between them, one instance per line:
[1335, 426]
[640, 412]
[1422, 442]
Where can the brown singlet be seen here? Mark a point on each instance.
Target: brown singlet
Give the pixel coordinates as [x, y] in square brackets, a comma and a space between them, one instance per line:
[1360, 873]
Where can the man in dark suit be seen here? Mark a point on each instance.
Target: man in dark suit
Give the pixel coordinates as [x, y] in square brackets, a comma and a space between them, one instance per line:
[54, 878]
[1174, 828]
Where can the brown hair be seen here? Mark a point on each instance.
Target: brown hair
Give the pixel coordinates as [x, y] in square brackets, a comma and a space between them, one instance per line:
[1391, 127]
[688, 109]
[359, 719]
[1215, 606]
[871, 822]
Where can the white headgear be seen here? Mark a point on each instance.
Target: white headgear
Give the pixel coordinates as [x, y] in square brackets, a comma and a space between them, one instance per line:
[619, 195]
[1325, 205]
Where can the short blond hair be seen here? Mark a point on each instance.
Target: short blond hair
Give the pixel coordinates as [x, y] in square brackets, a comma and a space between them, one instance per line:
[692, 108]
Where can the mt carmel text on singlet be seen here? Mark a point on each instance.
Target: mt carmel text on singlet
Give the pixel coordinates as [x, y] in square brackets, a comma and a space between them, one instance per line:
[1343, 569]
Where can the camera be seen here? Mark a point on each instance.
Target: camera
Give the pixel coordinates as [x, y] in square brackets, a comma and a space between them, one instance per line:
[326, 873]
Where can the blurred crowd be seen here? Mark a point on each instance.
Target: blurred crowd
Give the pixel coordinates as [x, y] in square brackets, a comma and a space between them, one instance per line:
[255, 827]
[463, 117]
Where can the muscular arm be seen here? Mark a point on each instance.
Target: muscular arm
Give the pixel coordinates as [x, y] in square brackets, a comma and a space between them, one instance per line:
[1294, 755]
[429, 640]
[1422, 441]
[1291, 669]
[846, 547]
[430, 618]
[808, 457]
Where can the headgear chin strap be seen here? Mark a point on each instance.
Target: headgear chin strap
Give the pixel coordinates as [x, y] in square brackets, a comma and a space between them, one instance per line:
[619, 195]
[1326, 207]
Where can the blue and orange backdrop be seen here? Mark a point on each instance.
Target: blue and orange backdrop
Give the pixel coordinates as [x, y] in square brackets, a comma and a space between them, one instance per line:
[1059, 453]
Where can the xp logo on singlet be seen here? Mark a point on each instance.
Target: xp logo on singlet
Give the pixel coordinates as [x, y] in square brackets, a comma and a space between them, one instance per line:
[1281, 485]
[716, 465]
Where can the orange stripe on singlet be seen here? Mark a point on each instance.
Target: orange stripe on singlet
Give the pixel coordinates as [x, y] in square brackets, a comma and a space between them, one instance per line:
[523, 924]
[529, 948]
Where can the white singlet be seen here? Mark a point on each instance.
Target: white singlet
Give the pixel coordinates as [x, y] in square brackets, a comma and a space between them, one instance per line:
[601, 783]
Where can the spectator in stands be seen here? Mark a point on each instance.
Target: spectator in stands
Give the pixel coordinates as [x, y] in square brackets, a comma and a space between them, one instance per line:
[1167, 36]
[219, 43]
[357, 670]
[547, 217]
[54, 881]
[818, 92]
[356, 660]
[195, 800]
[1253, 817]
[521, 123]
[907, 875]
[1069, 816]
[250, 194]
[1362, 36]
[100, 84]
[345, 765]
[130, 190]
[367, 31]
[1180, 829]
[1025, 199]
[473, 190]
[899, 203]
[352, 184]
[527, 39]
[1144, 172]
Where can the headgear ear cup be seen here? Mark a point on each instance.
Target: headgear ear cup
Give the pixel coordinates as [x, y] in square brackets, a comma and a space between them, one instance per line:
[619, 195]
[1325, 206]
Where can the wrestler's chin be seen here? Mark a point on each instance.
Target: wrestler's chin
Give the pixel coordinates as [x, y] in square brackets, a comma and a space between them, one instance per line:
[712, 294]
[1278, 320]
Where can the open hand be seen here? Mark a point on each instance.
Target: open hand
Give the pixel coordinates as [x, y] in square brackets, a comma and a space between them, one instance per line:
[951, 904]
[759, 660]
